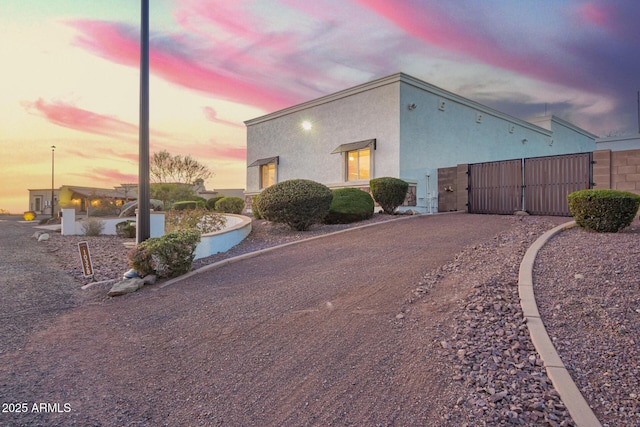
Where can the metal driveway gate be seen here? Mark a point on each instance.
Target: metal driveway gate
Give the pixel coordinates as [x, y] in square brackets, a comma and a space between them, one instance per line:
[495, 187]
[538, 185]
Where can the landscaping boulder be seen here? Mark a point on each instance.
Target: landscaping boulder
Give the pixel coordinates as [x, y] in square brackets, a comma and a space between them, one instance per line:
[126, 286]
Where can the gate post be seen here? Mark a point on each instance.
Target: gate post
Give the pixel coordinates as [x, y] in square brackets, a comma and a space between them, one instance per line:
[602, 169]
[462, 198]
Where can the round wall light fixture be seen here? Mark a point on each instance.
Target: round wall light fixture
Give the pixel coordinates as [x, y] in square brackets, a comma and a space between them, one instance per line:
[306, 125]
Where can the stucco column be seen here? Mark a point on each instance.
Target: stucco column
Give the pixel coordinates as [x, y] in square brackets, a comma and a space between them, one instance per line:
[68, 222]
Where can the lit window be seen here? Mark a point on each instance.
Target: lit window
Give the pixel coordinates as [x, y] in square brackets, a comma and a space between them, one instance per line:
[358, 158]
[358, 164]
[267, 175]
[268, 171]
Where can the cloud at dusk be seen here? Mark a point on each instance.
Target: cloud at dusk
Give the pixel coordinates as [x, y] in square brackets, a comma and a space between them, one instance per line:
[114, 175]
[212, 115]
[69, 116]
[169, 60]
[72, 80]
[581, 51]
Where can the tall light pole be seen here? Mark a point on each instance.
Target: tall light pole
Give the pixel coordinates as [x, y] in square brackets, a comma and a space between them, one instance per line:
[143, 226]
[53, 150]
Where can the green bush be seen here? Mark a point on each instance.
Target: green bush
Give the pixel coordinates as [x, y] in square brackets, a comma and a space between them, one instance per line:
[299, 203]
[255, 206]
[389, 192]
[126, 229]
[233, 205]
[607, 211]
[201, 219]
[188, 204]
[211, 203]
[93, 227]
[168, 256]
[349, 205]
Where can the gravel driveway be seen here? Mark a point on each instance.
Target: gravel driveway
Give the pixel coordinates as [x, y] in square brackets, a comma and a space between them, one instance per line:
[369, 327]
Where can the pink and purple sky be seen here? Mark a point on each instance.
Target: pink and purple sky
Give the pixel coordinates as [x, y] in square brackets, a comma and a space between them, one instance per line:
[69, 74]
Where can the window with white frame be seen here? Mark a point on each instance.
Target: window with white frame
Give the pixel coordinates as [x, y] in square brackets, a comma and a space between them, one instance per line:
[358, 159]
[358, 164]
[268, 171]
[267, 175]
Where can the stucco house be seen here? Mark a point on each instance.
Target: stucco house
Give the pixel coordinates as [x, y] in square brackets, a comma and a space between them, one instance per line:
[80, 198]
[396, 126]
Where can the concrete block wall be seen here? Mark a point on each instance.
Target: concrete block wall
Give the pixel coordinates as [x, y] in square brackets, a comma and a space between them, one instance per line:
[617, 170]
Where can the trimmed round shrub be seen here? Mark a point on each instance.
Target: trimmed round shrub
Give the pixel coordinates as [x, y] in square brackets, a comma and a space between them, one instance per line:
[211, 203]
[349, 205]
[389, 192]
[233, 205]
[607, 211]
[299, 203]
[29, 216]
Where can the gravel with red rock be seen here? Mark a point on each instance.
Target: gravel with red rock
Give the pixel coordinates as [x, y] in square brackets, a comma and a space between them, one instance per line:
[458, 352]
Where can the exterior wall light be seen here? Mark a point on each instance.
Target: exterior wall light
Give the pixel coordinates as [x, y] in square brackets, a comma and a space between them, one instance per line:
[411, 106]
[306, 125]
[524, 141]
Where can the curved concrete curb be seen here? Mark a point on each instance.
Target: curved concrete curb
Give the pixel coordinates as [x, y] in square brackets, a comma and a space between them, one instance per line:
[578, 407]
[265, 250]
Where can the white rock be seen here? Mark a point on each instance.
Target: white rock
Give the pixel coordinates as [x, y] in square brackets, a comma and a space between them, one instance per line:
[43, 237]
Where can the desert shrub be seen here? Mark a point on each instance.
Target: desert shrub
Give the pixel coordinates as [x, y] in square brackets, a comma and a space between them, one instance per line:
[29, 216]
[349, 205]
[211, 203]
[389, 192]
[93, 227]
[168, 256]
[201, 219]
[607, 211]
[126, 229]
[299, 203]
[233, 205]
[187, 204]
[255, 206]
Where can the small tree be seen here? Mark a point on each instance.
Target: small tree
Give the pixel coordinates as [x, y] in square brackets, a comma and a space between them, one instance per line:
[166, 168]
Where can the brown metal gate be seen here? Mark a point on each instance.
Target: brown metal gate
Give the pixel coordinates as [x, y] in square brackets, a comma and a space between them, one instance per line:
[495, 187]
[539, 185]
[548, 181]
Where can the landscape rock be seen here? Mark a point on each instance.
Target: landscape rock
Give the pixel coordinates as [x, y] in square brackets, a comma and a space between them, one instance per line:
[150, 279]
[43, 237]
[126, 286]
[130, 274]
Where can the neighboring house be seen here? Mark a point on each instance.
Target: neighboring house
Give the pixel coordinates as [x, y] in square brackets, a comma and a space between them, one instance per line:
[40, 200]
[395, 126]
[80, 198]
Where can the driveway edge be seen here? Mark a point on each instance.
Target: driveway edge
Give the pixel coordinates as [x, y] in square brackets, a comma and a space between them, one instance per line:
[571, 396]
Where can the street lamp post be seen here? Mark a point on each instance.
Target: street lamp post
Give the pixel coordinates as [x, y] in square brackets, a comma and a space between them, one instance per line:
[53, 150]
[143, 227]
